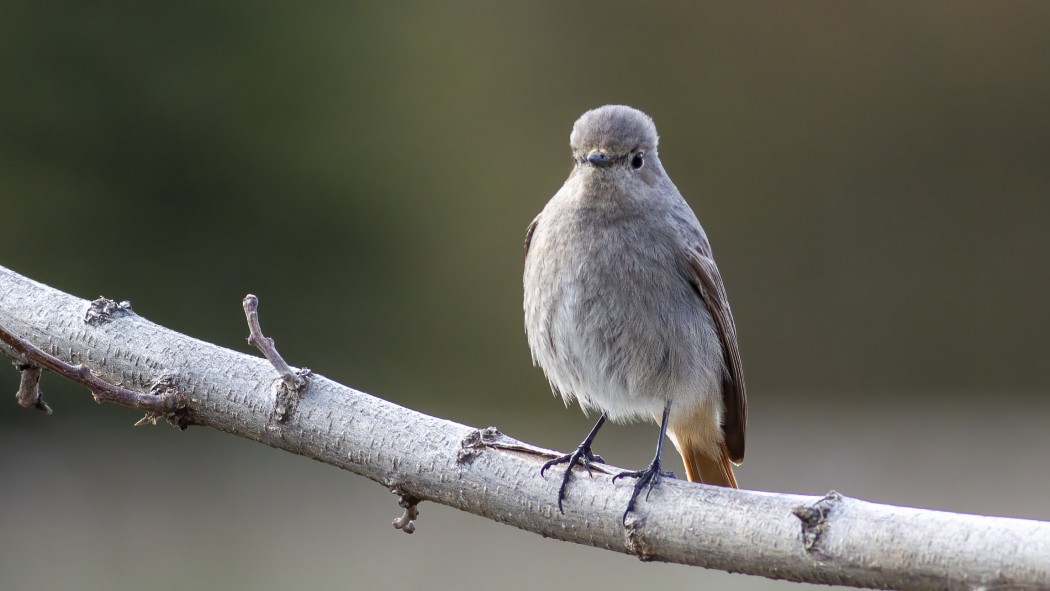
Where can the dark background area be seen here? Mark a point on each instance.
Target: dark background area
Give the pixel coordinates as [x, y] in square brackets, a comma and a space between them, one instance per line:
[874, 178]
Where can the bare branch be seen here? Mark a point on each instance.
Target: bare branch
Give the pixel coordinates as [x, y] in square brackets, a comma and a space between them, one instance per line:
[265, 345]
[29, 394]
[102, 390]
[293, 382]
[833, 539]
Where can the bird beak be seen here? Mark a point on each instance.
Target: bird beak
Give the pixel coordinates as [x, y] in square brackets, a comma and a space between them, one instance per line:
[599, 159]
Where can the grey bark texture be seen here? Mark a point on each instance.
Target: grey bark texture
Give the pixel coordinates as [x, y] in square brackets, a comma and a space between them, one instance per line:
[834, 539]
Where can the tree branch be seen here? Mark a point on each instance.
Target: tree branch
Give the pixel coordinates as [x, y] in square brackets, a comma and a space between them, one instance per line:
[834, 539]
[289, 390]
[103, 391]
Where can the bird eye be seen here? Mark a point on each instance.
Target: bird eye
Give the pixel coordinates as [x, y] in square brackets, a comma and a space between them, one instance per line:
[638, 160]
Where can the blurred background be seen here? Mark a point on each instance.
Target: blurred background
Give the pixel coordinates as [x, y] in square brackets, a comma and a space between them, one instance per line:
[874, 178]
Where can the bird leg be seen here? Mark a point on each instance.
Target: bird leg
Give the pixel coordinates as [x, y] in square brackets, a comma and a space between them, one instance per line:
[583, 456]
[648, 477]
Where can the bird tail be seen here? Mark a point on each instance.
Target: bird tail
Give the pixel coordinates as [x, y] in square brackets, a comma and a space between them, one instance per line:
[700, 467]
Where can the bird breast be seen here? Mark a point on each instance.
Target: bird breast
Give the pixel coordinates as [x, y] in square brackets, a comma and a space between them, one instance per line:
[604, 314]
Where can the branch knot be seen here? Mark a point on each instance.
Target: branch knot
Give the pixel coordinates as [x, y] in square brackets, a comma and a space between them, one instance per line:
[475, 442]
[814, 520]
[103, 310]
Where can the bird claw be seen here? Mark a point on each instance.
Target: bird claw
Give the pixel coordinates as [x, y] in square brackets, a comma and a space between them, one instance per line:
[582, 456]
[647, 478]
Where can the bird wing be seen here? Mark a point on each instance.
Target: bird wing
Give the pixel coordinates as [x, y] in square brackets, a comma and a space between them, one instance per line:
[528, 234]
[708, 284]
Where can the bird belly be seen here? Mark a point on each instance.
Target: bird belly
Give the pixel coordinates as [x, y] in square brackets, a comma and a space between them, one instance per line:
[628, 344]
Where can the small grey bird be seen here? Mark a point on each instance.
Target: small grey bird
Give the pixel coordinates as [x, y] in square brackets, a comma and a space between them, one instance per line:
[625, 310]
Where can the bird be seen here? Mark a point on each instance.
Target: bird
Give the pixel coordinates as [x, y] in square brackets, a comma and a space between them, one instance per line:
[625, 309]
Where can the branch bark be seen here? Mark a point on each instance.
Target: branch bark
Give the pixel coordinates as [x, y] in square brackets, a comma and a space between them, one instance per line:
[834, 539]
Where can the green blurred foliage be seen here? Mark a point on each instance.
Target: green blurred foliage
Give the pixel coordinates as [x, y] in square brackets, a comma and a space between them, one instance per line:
[874, 178]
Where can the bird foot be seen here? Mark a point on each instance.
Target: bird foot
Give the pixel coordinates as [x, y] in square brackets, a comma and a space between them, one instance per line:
[582, 456]
[647, 478]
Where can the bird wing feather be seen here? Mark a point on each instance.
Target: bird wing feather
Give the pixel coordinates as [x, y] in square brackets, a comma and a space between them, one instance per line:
[708, 283]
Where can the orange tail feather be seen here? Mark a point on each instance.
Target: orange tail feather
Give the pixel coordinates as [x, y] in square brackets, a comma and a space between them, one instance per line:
[701, 468]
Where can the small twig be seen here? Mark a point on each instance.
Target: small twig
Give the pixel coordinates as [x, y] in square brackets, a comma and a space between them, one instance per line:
[293, 382]
[492, 438]
[29, 394]
[102, 390]
[407, 521]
